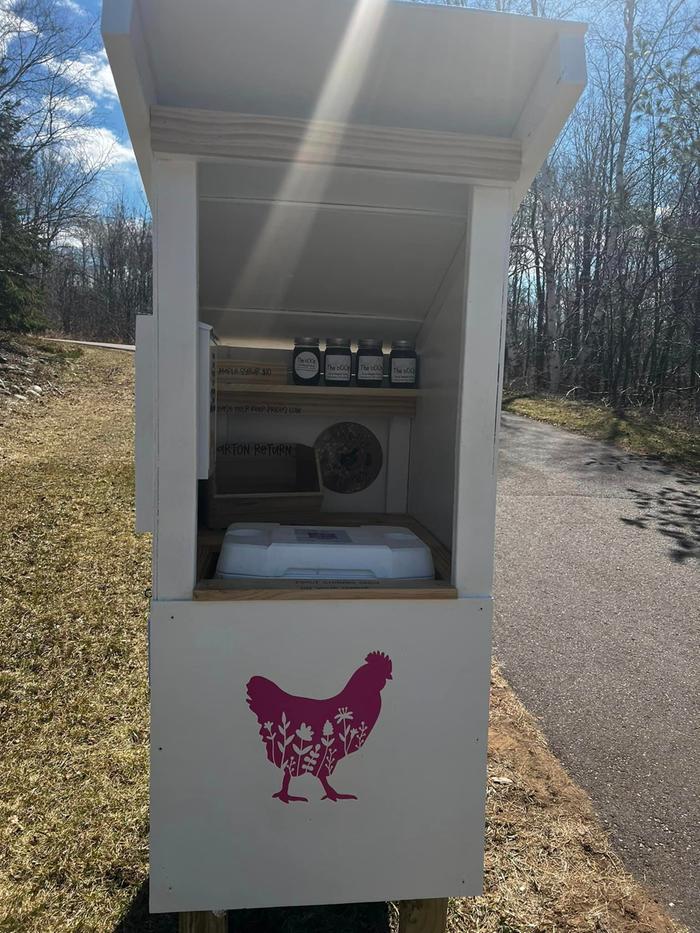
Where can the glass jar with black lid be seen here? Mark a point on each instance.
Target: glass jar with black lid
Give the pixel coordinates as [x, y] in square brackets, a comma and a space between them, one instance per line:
[370, 364]
[306, 361]
[338, 361]
[403, 365]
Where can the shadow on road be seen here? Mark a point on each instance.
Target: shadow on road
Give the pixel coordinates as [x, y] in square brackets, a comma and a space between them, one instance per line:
[673, 511]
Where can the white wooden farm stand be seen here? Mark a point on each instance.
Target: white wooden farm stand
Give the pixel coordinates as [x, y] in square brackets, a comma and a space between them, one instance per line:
[334, 168]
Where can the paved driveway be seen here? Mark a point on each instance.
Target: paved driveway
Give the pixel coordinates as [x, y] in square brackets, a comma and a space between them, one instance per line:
[598, 629]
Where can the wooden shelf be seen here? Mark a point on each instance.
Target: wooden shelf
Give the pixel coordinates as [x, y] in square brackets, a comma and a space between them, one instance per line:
[294, 399]
[223, 590]
[209, 589]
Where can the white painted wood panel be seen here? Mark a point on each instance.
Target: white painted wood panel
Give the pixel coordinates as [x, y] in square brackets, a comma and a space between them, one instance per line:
[425, 66]
[487, 253]
[433, 441]
[398, 456]
[219, 839]
[175, 301]
[125, 44]
[342, 186]
[204, 399]
[263, 325]
[260, 256]
[145, 422]
[559, 85]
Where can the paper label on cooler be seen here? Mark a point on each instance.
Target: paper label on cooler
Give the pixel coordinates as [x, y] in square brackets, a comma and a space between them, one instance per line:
[306, 365]
[370, 367]
[403, 370]
[338, 368]
[314, 535]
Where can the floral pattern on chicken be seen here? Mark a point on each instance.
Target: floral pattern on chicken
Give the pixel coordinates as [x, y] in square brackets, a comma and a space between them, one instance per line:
[303, 736]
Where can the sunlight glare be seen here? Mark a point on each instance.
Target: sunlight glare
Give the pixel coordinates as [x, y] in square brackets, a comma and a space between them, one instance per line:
[284, 234]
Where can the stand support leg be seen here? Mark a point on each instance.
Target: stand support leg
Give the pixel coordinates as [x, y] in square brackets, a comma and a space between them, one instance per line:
[203, 922]
[423, 916]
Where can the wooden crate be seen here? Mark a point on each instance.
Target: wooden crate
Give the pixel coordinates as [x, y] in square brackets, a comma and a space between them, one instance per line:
[270, 482]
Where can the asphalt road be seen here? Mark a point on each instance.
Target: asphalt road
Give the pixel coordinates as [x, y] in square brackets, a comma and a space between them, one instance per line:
[127, 347]
[598, 630]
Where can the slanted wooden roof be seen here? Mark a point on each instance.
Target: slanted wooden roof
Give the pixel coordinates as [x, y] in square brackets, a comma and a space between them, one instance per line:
[363, 121]
[400, 65]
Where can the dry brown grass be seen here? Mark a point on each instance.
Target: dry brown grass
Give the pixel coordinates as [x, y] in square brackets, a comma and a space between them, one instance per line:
[634, 430]
[73, 713]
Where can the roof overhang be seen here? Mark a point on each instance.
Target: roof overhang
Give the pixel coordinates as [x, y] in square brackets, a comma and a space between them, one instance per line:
[381, 85]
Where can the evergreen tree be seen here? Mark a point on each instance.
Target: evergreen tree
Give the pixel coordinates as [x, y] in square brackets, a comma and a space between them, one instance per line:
[19, 246]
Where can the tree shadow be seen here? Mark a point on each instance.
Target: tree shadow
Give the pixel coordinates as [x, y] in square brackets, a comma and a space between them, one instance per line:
[617, 460]
[615, 429]
[648, 463]
[338, 918]
[674, 512]
[136, 918]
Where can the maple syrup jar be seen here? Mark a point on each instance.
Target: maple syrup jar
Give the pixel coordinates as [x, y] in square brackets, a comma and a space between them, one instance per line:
[403, 365]
[370, 364]
[338, 361]
[306, 362]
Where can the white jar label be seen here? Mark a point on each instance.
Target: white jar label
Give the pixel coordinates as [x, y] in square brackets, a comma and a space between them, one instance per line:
[370, 367]
[306, 365]
[338, 368]
[403, 371]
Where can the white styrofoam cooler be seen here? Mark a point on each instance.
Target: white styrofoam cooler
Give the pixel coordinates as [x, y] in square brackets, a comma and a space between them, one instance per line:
[309, 552]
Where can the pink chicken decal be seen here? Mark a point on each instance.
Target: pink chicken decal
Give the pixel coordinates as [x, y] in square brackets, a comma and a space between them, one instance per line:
[305, 736]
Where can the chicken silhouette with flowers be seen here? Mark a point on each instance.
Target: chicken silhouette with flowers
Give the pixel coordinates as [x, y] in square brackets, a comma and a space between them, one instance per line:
[304, 736]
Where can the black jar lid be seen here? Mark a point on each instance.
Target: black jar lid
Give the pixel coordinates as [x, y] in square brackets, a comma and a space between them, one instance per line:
[342, 343]
[369, 344]
[402, 345]
[306, 341]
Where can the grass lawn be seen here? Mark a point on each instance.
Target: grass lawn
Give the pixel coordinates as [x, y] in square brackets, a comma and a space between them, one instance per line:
[635, 431]
[74, 719]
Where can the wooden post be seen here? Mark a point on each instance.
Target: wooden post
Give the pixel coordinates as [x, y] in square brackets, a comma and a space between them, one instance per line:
[204, 922]
[423, 916]
[175, 266]
[486, 272]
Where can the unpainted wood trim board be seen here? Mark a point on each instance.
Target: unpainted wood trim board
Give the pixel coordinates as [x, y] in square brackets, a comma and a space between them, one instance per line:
[318, 399]
[216, 134]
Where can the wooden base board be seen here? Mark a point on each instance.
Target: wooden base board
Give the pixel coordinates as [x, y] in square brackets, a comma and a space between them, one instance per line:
[423, 916]
[209, 545]
[414, 917]
[203, 922]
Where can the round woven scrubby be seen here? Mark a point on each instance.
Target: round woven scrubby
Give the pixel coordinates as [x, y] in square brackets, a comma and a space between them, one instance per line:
[350, 457]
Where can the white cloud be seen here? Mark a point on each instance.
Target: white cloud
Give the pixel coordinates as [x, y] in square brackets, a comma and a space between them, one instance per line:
[74, 7]
[75, 106]
[92, 73]
[100, 146]
[12, 26]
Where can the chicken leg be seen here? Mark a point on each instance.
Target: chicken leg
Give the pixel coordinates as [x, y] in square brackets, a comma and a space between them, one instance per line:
[333, 794]
[283, 793]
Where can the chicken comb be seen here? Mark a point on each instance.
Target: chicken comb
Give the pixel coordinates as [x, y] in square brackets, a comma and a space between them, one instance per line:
[378, 656]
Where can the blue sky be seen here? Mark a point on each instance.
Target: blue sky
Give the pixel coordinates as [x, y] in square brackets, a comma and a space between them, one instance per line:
[109, 133]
